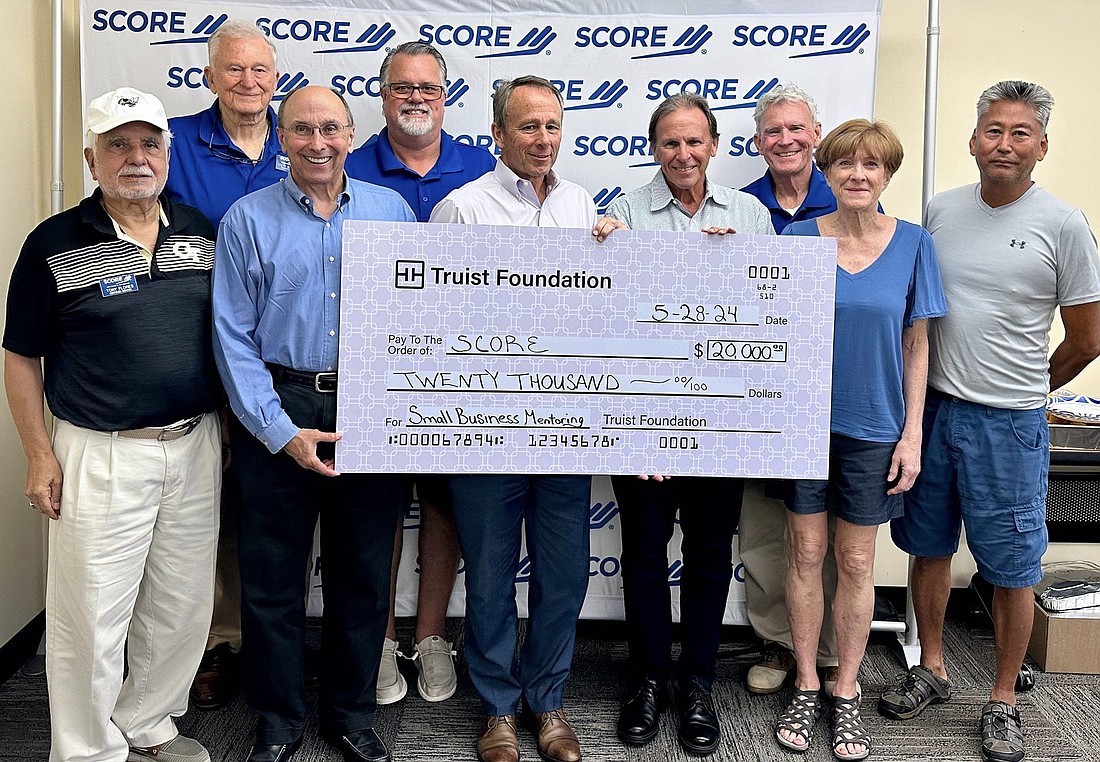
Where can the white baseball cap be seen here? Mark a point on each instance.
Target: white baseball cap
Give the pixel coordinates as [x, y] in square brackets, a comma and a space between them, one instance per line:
[123, 106]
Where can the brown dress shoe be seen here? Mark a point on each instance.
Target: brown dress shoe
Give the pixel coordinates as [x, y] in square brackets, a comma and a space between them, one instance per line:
[498, 742]
[557, 741]
[217, 679]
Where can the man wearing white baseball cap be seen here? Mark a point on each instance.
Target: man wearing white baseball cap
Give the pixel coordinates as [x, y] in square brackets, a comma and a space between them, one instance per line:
[108, 322]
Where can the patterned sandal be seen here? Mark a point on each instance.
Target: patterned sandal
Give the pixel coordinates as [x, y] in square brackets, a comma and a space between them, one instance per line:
[848, 729]
[801, 715]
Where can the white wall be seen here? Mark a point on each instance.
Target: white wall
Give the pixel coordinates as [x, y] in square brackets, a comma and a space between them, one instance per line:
[981, 42]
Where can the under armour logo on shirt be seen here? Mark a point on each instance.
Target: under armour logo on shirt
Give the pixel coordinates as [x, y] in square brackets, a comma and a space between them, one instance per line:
[1017, 244]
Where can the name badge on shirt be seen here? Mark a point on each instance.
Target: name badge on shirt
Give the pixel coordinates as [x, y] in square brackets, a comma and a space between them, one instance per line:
[282, 163]
[118, 284]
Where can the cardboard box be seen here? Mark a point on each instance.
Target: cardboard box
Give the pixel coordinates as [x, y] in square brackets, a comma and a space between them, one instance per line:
[1061, 643]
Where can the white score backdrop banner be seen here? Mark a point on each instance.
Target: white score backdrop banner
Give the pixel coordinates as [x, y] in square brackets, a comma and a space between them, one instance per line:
[613, 61]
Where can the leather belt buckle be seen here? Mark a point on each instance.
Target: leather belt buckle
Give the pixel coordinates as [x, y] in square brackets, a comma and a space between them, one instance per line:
[325, 382]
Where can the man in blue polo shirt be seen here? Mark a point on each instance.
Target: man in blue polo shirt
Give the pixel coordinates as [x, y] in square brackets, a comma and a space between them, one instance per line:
[787, 132]
[230, 149]
[413, 156]
[793, 188]
[219, 155]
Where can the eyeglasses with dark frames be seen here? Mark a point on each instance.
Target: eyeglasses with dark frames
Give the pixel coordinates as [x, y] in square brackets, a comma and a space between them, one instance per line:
[404, 90]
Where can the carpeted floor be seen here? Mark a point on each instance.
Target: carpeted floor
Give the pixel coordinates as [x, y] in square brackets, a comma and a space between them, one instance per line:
[1060, 715]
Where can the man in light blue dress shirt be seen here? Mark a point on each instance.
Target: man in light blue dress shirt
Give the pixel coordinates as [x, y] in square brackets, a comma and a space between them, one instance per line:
[277, 318]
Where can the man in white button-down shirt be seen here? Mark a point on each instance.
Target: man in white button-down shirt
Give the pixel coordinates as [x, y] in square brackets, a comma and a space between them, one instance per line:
[523, 189]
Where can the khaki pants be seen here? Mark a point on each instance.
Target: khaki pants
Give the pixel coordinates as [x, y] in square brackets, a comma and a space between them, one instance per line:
[762, 544]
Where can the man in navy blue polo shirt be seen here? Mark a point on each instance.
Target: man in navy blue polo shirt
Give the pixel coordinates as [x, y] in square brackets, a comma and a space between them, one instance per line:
[229, 149]
[793, 188]
[219, 155]
[787, 132]
[413, 156]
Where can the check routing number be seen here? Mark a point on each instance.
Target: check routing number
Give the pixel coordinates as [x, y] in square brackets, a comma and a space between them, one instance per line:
[496, 349]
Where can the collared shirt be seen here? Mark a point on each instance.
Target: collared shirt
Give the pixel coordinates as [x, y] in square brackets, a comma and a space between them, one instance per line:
[503, 198]
[458, 164]
[208, 171]
[277, 293]
[819, 200]
[125, 340]
[653, 207]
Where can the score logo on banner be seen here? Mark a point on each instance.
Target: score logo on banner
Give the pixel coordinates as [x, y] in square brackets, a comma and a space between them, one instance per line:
[611, 69]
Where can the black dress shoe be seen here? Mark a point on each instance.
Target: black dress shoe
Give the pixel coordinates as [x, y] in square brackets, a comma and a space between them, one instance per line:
[699, 733]
[363, 746]
[639, 719]
[216, 681]
[276, 752]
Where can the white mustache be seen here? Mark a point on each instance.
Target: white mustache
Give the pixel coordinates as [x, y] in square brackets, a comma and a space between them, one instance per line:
[136, 173]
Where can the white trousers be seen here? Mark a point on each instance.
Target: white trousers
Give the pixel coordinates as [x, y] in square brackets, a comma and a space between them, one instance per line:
[130, 581]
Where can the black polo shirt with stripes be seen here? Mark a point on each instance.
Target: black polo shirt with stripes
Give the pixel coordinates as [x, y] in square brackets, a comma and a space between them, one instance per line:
[126, 341]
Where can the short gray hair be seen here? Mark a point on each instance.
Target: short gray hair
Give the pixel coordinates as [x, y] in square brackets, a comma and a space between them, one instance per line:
[412, 49]
[236, 29]
[682, 101]
[504, 90]
[1018, 91]
[788, 93]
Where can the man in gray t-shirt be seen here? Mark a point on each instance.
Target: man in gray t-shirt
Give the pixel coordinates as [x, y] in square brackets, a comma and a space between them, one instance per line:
[1010, 253]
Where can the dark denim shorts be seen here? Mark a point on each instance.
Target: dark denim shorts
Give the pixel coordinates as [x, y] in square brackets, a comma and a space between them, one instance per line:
[856, 488]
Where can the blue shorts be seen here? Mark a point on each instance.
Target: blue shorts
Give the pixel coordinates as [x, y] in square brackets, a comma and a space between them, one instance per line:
[856, 488]
[985, 467]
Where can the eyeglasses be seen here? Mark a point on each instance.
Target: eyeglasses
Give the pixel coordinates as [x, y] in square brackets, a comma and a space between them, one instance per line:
[404, 90]
[239, 158]
[328, 131]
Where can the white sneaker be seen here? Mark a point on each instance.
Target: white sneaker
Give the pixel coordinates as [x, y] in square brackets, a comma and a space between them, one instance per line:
[435, 662]
[179, 749]
[391, 686]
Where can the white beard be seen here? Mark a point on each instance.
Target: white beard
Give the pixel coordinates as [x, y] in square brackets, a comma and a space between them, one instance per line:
[415, 126]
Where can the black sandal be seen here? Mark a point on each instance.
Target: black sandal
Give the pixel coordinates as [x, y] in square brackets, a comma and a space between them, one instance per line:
[848, 728]
[801, 716]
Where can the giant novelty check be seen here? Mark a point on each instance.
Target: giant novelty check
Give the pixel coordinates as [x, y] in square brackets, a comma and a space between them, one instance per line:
[492, 349]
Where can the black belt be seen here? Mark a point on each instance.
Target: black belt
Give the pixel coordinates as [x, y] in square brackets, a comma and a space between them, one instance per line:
[324, 382]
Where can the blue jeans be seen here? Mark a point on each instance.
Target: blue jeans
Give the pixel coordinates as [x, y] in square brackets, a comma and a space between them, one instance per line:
[489, 513]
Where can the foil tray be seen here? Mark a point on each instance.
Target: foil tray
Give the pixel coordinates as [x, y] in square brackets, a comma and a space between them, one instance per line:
[1068, 437]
